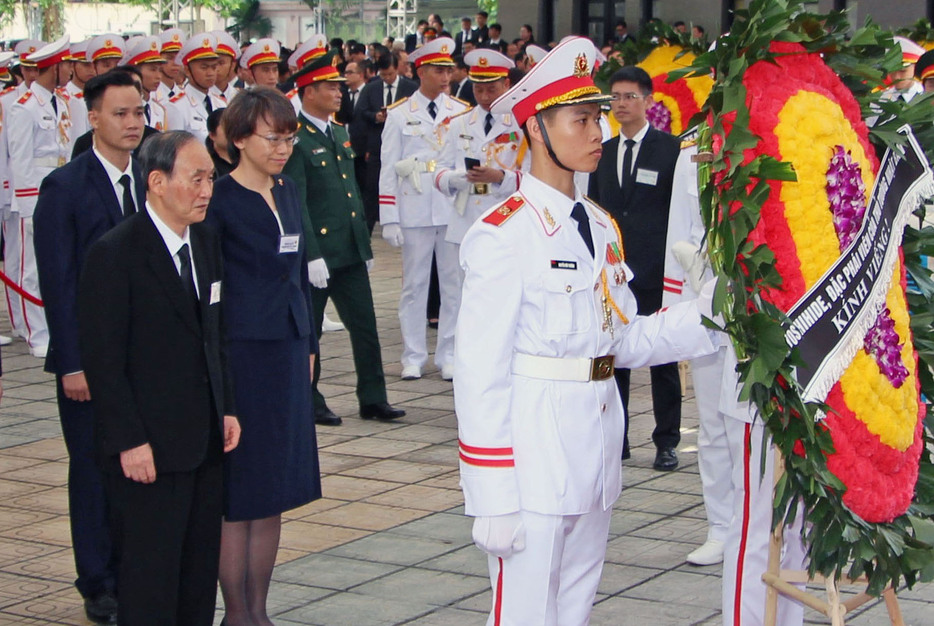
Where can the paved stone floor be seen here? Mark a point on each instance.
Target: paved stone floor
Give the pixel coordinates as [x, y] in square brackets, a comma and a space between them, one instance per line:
[388, 544]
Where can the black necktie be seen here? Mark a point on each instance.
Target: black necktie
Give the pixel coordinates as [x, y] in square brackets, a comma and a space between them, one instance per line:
[583, 225]
[54, 104]
[188, 279]
[327, 132]
[129, 207]
[432, 110]
[208, 105]
[353, 100]
[148, 112]
[488, 125]
[627, 164]
[388, 95]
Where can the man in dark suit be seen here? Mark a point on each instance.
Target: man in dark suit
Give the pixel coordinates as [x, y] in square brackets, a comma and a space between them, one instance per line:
[461, 85]
[416, 39]
[66, 225]
[633, 182]
[465, 34]
[151, 336]
[370, 114]
[336, 237]
[482, 31]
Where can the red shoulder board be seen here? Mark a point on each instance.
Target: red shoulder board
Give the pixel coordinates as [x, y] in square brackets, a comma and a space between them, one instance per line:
[177, 97]
[26, 96]
[293, 92]
[505, 211]
[80, 94]
[61, 93]
[7, 90]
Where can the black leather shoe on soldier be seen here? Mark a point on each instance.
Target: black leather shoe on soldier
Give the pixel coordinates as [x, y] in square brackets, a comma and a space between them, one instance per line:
[326, 417]
[380, 411]
[666, 459]
[102, 608]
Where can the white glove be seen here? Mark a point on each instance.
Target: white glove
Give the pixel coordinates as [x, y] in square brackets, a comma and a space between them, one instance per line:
[692, 261]
[500, 535]
[393, 235]
[318, 273]
[457, 181]
[704, 301]
[369, 265]
[407, 168]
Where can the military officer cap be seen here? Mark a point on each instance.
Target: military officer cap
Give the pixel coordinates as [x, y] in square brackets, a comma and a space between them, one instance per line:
[321, 70]
[561, 78]
[435, 52]
[79, 51]
[924, 68]
[50, 54]
[172, 39]
[141, 50]
[487, 66]
[200, 46]
[109, 46]
[261, 51]
[535, 54]
[312, 48]
[5, 59]
[911, 51]
[26, 47]
[226, 44]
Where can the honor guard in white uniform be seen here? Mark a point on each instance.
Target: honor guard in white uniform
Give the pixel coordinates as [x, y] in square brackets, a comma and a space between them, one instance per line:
[11, 225]
[546, 313]
[414, 214]
[40, 139]
[262, 59]
[227, 54]
[82, 69]
[5, 59]
[189, 109]
[144, 53]
[311, 49]
[170, 83]
[105, 51]
[729, 440]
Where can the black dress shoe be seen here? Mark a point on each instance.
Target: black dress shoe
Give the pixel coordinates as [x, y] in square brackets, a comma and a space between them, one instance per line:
[102, 608]
[626, 453]
[666, 459]
[380, 411]
[326, 417]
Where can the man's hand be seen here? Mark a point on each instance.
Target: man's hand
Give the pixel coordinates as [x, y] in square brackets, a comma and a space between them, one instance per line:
[75, 387]
[311, 366]
[485, 175]
[380, 117]
[138, 464]
[231, 432]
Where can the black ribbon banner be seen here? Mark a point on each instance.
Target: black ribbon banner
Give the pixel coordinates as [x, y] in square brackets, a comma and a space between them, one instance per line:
[829, 322]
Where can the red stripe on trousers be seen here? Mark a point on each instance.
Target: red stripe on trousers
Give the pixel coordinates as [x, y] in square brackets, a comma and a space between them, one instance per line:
[498, 602]
[738, 593]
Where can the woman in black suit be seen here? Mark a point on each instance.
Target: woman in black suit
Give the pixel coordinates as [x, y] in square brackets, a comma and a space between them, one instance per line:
[271, 348]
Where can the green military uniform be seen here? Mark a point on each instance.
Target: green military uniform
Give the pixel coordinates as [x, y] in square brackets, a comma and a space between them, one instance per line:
[335, 230]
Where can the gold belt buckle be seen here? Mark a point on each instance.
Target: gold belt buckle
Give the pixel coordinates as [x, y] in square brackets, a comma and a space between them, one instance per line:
[481, 189]
[430, 165]
[61, 161]
[601, 367]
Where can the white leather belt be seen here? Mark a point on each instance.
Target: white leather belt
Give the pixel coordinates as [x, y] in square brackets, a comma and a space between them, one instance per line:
[575, 370]
[49, 161]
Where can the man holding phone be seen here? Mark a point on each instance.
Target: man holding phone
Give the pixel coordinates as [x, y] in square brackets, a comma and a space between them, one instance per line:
[484, 153]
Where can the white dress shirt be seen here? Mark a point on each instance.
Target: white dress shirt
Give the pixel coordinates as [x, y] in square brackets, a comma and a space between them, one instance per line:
[174, 243]
[639, 136]
[114, 174]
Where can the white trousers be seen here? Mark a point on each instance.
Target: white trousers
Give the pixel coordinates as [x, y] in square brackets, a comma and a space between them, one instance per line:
[746, 554]
[419, 245]
[713, 450]
[12, 252]
[34, 328]
[553, 582]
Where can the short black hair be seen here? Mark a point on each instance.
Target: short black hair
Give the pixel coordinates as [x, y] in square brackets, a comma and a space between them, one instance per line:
[497, 26]
[160, 151]
[366, 66]
[459, 62]
[386, 61]
[337, 43]
[622, 23]
[422, 23]
[700, 29]
[678, 23]
[483, 14]
[94, 89]
[357, 48]
[515, 75]
[214, 120]
[633, 74]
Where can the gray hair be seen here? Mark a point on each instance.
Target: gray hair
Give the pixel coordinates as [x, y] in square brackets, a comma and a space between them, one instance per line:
[160, 151]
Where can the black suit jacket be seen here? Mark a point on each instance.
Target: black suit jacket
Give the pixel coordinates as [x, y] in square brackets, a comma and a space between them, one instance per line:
[155, 364]
[464, 91]
[641, 211]
[459, 40]
[76, 206]
[369, 104]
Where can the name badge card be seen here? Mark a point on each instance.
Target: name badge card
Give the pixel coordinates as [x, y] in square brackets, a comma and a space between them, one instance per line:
[288, 244]
[215, 292]
[646, 177]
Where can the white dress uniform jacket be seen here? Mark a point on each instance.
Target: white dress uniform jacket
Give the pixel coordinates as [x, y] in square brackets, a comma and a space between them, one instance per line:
[186, 111]
[226, 95]
[503, 148]
[158, 117]
[7, 97]
[532, 288]
[411, 133]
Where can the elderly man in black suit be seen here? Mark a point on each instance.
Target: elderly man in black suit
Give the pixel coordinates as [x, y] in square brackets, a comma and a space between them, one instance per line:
[149, 314]
[633, 182]
[369, 118]
[66, 225]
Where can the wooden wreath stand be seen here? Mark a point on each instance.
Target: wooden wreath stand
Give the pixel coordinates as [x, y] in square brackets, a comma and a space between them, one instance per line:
[783, 581]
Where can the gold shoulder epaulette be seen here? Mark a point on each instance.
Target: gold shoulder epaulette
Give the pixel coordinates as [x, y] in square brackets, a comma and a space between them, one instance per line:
[505, 211]
[396, 103]
[687, 143]
[464, 102]
[456, 115]
[26, 96]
